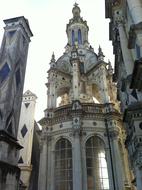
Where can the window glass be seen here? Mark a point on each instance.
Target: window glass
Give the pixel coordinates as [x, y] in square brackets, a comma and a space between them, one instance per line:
[79, 37]
[97, 173]
[63, 165]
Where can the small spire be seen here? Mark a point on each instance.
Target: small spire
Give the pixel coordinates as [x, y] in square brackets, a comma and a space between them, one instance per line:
[100, 54]
[110, 69]
[53, 57]
[53, 61]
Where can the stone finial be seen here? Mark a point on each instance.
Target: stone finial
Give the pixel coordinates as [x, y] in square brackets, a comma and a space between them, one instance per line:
[100, 54]
[76, 10]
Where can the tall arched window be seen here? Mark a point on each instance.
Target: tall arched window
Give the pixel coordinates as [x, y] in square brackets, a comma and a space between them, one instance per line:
[63, 165]
[79, 37]
[73, 37]
[97, 174]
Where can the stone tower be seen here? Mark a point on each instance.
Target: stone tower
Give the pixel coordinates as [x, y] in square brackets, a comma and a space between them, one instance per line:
[13, 58]
[82, 133]
[25, 136]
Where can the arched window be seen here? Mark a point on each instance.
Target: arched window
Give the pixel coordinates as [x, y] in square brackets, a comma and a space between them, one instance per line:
[79, 37]
[73, 37]
[97, 174]
[63, 165]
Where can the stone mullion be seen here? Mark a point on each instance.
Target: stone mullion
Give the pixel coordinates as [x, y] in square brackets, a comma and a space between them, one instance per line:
[96, 168]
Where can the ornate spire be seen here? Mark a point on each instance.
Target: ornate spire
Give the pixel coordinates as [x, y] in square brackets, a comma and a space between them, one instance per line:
[100, 54]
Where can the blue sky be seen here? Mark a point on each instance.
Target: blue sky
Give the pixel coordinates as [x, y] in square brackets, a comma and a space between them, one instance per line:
[48, 19]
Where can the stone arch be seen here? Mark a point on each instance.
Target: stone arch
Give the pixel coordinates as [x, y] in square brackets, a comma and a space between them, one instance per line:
[64, 137]
[95, 135]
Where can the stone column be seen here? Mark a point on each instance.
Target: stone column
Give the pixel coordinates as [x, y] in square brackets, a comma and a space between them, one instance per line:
[49, 162]
[135, 7]
[75, 81]
[77, 169]
[117, 162]
[127, 57]
[42, 180]
[84, 169]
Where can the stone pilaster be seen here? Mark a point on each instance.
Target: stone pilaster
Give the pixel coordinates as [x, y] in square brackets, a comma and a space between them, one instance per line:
[117, 162]
[77, 165]
[42, 181]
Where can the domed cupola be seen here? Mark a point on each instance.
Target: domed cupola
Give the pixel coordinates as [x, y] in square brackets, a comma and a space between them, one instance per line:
[77, 29]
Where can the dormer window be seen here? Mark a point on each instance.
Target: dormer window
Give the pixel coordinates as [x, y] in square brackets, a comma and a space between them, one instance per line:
[79, 37]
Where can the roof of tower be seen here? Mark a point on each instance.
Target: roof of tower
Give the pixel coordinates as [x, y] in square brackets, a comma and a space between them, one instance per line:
[29, 93]
[76, 17]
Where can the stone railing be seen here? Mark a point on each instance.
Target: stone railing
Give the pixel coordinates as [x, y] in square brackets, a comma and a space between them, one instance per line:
[87, 108]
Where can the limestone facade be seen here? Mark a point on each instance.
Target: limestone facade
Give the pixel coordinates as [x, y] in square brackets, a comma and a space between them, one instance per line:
[82, 140]
[13, 58]
[126, 35]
